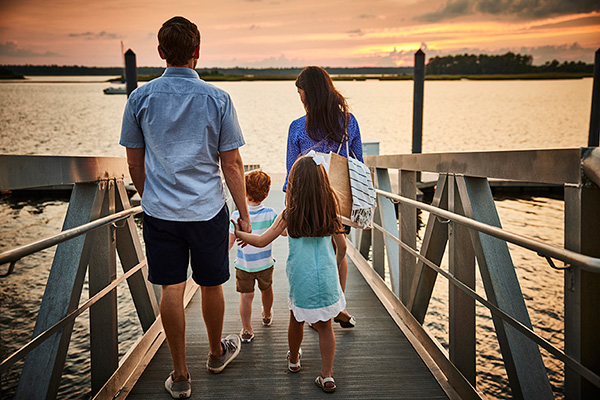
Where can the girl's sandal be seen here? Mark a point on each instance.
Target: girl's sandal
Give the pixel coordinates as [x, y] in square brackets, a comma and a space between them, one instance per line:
[294, 367]
[327, 384]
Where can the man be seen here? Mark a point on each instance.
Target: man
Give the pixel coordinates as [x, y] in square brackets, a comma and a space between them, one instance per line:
[177, 130]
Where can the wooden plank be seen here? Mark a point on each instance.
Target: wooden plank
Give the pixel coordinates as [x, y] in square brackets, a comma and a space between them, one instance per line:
[556, 166]
[27, 171]
[372, 360]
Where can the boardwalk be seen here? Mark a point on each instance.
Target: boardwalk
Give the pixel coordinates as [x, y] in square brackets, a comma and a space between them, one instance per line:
[373, 360]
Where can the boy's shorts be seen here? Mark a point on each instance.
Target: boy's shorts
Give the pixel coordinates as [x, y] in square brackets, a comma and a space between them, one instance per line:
[171, 244]
[244, 281]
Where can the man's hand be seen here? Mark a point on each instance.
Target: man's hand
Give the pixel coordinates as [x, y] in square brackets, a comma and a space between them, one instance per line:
[244, 225]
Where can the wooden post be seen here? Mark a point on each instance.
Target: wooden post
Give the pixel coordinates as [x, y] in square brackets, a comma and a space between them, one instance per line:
[595, 117]
[104, 343]
[418, 99]
[461, 307]
[44, 365]
[522, 358]
[130, 71]
[582, 288]
[407, 215]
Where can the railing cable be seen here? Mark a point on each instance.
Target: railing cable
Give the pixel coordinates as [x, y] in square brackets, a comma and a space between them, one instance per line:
[17, 253]
[572, 363]
[587, 263]
[23, 351]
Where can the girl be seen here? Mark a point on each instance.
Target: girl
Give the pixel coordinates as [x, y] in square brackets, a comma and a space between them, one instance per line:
[327, 125]
[315, 294]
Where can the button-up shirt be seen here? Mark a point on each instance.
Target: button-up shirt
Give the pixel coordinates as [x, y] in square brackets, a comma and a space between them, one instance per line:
[183, 123]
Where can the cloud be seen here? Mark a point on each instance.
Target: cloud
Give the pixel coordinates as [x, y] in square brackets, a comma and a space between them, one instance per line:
[12, 49]
[577, 22]
[521, 8]
[96, 36]
[355, 32]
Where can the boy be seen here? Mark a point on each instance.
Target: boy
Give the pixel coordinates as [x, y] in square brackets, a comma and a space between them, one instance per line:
[254, 263]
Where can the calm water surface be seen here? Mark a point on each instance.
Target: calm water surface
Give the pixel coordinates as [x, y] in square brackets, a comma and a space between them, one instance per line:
[51, 116]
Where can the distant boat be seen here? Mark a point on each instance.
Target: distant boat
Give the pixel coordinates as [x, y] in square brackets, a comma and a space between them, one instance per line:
[118, 90]
[115, 90]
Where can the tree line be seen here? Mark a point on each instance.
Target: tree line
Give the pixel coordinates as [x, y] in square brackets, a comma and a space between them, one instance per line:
[509, 63]
[152, 71]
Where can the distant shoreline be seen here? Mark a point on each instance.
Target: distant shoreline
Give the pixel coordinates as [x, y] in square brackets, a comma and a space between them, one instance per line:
[354, 77]
[402, 77]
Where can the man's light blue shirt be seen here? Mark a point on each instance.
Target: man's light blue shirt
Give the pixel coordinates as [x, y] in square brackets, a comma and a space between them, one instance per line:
[183, 123]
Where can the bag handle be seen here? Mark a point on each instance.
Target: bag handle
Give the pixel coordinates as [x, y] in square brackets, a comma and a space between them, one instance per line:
[346, 139]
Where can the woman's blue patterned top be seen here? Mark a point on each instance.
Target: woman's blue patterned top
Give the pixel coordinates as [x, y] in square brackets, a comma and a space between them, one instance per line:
[299, 143]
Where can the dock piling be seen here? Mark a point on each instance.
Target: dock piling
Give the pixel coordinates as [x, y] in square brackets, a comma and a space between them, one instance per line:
[130, 71]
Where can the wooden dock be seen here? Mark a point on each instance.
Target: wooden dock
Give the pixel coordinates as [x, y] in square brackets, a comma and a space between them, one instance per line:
[373, 360]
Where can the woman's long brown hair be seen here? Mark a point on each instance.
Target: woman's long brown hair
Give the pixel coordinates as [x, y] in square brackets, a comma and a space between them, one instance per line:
[327, 112]
[311, 209]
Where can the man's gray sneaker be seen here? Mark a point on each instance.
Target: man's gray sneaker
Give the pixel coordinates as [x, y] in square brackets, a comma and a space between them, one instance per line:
[181, 389]
[231, 346]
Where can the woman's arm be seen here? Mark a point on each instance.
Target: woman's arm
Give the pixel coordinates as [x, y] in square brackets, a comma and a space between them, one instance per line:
[293, 150]
[355, 139]
[340, 247]
[267, 237]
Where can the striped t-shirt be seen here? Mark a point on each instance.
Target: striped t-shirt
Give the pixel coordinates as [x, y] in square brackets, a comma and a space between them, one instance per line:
[250, 258]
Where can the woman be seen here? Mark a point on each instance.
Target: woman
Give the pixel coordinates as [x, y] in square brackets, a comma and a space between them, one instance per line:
[327, 125]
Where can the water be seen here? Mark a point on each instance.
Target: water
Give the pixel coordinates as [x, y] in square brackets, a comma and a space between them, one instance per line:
[51, 116]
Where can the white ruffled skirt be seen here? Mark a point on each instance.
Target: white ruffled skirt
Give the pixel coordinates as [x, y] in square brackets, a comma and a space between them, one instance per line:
[312, 315]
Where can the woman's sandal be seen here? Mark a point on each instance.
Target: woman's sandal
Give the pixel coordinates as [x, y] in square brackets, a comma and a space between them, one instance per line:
[327, 384]
[350, 323]
[294, 367]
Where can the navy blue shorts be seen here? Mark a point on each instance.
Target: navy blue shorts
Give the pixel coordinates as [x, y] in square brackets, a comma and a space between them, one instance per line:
[170, 244]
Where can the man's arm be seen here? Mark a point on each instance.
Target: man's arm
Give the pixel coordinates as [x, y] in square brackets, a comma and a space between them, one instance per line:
[137, 170]
[233, 170]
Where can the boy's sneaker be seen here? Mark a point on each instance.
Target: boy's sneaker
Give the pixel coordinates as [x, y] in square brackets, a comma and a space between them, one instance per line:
[182, 389]
[246, 336]
[267, 321]
[231, 346]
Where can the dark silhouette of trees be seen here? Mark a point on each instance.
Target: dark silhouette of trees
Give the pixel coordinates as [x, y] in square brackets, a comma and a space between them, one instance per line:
[509, 63]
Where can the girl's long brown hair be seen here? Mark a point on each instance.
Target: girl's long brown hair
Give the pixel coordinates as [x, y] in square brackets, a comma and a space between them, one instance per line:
[327, 112]
[311, 209]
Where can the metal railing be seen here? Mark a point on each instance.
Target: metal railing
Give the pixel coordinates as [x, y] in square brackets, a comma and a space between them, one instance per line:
[98, 225]
[100, 197]
[463, 219]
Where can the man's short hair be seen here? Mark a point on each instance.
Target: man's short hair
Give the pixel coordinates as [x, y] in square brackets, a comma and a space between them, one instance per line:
[258, 184]
[178, 39]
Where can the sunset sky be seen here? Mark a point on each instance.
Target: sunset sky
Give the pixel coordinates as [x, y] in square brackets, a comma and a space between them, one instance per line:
[284, 33]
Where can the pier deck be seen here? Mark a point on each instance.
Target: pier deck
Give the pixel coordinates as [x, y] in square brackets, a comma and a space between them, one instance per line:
[373, 360]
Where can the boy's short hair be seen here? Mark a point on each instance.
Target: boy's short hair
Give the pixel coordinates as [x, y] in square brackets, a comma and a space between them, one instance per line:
[178, 39]
[258, 184]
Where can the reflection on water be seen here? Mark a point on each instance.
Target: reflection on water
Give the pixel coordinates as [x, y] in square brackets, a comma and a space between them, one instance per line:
[542, 287]
[25, 221]
[78, 119]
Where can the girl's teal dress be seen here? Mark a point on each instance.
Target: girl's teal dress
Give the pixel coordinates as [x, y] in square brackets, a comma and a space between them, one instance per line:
[315, 293]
